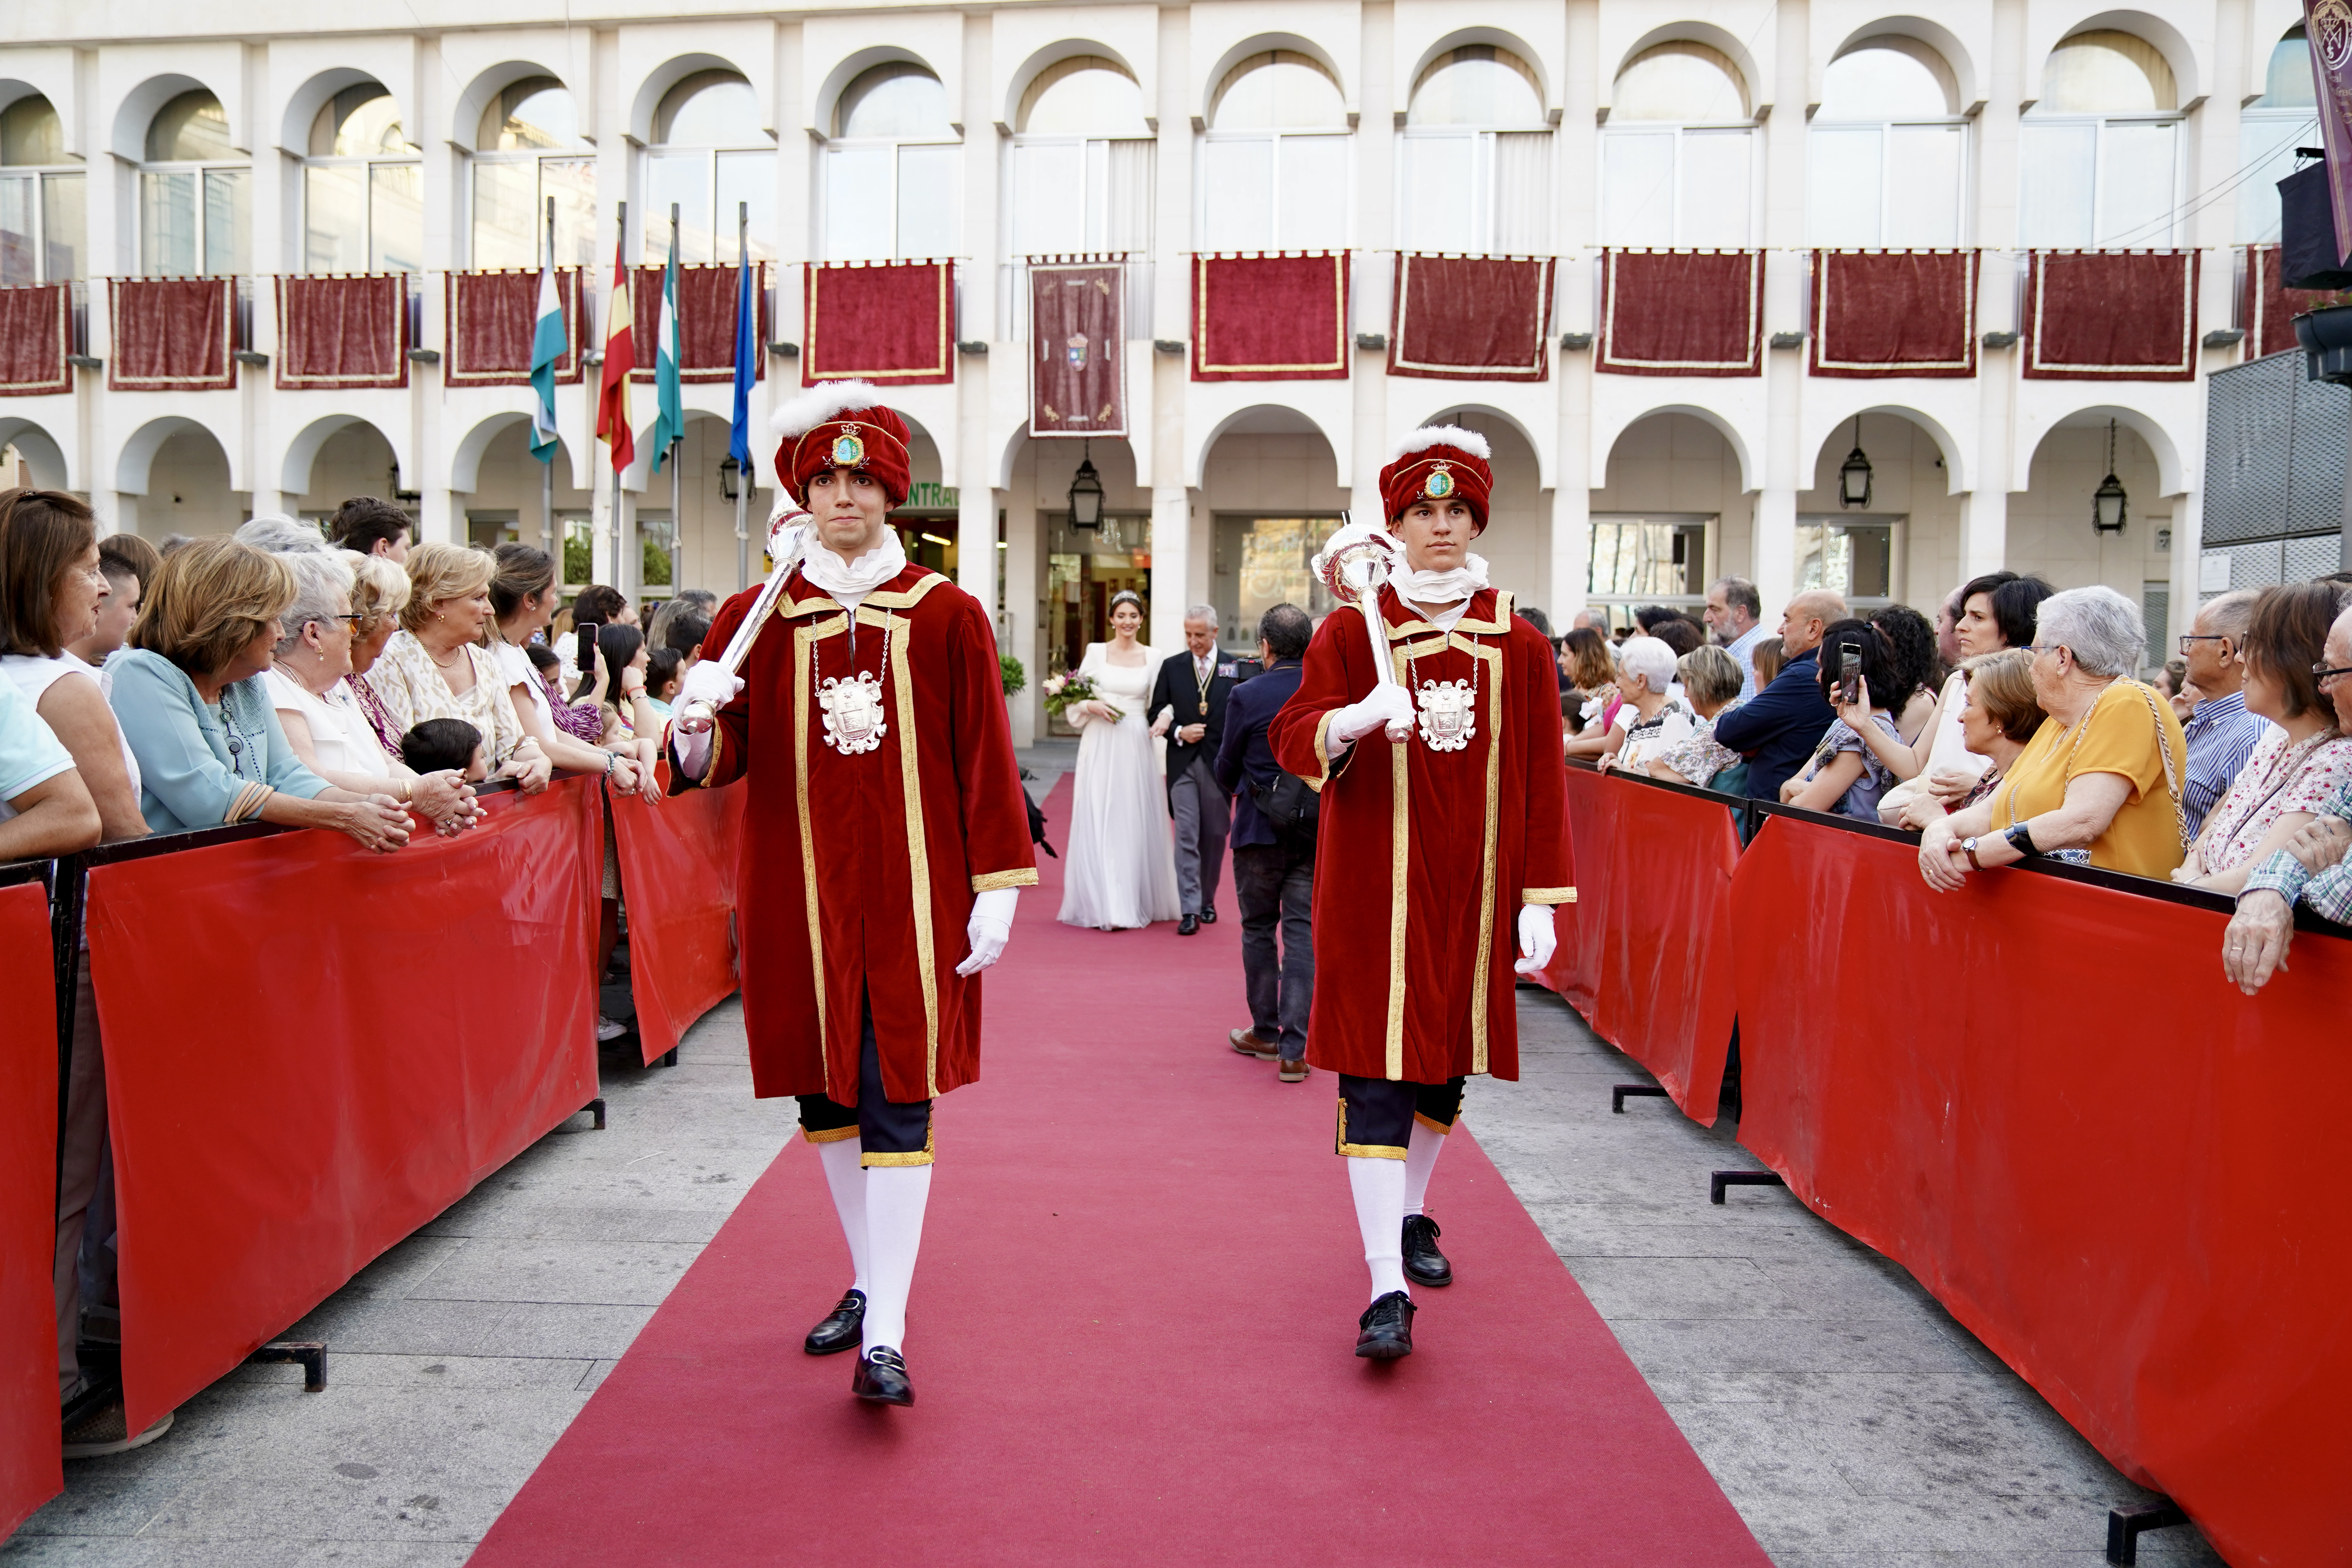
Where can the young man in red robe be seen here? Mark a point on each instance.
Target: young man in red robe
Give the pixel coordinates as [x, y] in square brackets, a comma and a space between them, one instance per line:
[1442, 851]
[883, 853]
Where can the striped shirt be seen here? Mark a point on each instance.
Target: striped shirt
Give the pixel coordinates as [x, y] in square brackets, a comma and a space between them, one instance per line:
[1743, 648]
[2222, 735]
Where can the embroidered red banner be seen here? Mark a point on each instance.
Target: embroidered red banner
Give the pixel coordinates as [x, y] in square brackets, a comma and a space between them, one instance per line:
[337, 333]
[1682, 313]
[492, 316]
[892, 323]
[1270, 318]
[171, 334]
[1470, 318]
[2111, 315]
[2268, 311]
[1078, 318]
[31, 1472]
[1894, 313]
[706, 321]
[678, 862]
[35, 335]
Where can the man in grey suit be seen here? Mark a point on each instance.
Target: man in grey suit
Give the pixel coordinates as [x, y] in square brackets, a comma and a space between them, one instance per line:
[1188, 706]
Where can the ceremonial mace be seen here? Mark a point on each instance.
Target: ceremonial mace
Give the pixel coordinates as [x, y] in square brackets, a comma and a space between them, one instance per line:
[788, 541]
[1353, 563]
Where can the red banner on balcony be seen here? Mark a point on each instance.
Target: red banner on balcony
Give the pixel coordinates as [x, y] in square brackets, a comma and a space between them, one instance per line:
[1470, 318]
[1077, 321]
[31, 1472]
[1270, 318]
[892, 323]
[678, 863]
[35, 335]
[171, 334]
[2268, 311]
[2111, 315]
[1894, 313]
[706, 321]
[1682, 313]
[338, 333]
[492, 316]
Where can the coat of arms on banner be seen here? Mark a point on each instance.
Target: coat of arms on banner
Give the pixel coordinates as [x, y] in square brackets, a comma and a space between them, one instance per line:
[853, 713]
[1448, 714]
[1077, 347]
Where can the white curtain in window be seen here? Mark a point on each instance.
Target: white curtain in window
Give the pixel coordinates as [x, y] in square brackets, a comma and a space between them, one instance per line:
[926, 200]
[2055, 186]
[1715, 188]
[1923, 186]
[1523, 193]
[1843, 185]
[1237, 195]
[1313, 214]
[2136, 166]
[1637, 188]
[1125, 219]
[858, 204]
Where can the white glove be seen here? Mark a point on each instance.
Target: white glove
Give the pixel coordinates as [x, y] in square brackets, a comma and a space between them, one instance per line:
[990, 924]
[1536, 941]
[1388, 706]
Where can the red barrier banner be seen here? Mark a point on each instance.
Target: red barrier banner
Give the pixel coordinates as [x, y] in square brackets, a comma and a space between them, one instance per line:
[312, 1050]
[2043, 1099]
[1575, 971]
[30, 1472]
[678, 883]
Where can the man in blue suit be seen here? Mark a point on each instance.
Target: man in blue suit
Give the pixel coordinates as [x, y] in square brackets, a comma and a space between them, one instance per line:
[1274, 863]
[1780, 726]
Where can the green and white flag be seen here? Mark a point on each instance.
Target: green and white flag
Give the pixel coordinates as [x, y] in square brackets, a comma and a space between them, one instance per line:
[669, 421]
[547, 346]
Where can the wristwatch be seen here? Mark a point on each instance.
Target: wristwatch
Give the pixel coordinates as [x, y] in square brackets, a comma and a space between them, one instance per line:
[1969, 844]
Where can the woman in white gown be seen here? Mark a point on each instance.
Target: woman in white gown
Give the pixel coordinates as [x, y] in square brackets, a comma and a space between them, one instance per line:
[1122, 867]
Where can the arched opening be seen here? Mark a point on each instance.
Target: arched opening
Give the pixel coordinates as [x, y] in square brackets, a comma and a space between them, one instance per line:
[334, 459]
[890, 170]
[180, 475]
[30, 455]
[1672, 517]
[1902, 544]
[1058, 578]
[1270, 494]
[44, 198]
[1677, 154]
[362, 186]
[1274, 162]
[2268, 130]
[528, 150]
[2050, 521]
[1475, 166]
[195, 190]
[2099, 155]
[1082, 161]
[713, 166]
[1887, 149]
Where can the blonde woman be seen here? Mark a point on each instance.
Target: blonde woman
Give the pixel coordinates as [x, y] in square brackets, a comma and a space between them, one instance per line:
[437, 665]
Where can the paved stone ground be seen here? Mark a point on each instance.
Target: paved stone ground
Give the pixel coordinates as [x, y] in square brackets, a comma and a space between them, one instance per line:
[1850, 1421]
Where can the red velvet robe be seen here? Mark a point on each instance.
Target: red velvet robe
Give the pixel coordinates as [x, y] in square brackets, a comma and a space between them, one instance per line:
[861, 868]
[1418, 891]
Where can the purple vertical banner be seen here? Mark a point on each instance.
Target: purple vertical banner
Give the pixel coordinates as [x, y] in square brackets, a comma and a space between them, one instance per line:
[2328, 25]
[1078, 381]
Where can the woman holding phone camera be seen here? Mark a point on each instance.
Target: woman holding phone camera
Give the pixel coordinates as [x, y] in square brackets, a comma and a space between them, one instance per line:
[1861, 755]
[523, 596]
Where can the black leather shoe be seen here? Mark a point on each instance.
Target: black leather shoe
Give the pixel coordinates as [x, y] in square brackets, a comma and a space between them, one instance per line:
[881, 1377]
[1209, 916]
[1386, 1328]
[1423, 1264]
[1188, 925]
[840, 1331]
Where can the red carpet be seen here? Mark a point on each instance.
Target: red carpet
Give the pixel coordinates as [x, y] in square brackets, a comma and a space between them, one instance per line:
[1130, 1337]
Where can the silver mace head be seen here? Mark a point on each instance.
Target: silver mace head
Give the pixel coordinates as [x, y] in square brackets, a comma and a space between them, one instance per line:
[1356, 560]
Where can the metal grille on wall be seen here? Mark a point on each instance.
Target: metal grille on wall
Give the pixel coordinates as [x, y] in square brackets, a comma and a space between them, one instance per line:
[2266, 519]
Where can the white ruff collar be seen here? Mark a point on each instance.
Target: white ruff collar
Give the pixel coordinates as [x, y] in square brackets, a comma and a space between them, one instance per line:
[861, 576]
[1443, 587]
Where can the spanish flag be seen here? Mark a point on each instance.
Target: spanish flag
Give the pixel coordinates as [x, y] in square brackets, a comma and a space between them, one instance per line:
[620, 359]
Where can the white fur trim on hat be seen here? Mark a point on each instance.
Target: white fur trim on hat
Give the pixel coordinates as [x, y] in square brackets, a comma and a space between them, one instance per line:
[821, 403]
[1430, 435]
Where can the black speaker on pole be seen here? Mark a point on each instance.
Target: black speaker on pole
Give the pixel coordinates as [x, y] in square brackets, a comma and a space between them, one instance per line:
[2307, 255]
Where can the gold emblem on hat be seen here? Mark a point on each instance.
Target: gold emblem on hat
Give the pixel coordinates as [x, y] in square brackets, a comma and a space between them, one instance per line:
[848, 448]
[1441, 483]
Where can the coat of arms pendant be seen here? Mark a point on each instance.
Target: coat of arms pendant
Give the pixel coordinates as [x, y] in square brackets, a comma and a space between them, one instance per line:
[853, 713]
[1448, 714]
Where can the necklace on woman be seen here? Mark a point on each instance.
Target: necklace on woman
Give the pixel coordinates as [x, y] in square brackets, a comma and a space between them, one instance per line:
[455, 654]
[235, 742]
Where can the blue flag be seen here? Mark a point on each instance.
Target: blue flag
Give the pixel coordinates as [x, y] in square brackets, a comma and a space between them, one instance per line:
[739, 437]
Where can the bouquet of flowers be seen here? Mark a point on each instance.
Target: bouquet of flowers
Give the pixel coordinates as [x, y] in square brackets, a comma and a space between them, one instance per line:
[1063, 693]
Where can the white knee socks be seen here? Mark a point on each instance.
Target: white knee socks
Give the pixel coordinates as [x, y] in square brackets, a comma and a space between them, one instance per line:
[895, 1198]
[846, 1177]
[1421, 1153]
[1378, 1187]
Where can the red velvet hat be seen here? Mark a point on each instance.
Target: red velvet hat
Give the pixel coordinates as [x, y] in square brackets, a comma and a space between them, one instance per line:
[841, 425]
[1439, 462]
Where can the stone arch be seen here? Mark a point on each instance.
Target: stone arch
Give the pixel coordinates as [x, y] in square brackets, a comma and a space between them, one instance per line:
[1444, 412]
[2188, 73]
[52, 469]
[140, 105]
[466, 460]
[1955, 463]
[1052, 55]
[1605, 441]
[1266, 43]
[303, 104]
[850, 67]
[467, 122]
[1934, 34]
[668, 74]
[2171, 471]
[1546, 89]
[136, 457]
[295, 468]
[1261, 418]
[1752, 81]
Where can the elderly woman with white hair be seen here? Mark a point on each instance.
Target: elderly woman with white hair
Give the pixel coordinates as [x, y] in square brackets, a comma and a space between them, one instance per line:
[309, 687]
[1653, 718]
[2100, 782]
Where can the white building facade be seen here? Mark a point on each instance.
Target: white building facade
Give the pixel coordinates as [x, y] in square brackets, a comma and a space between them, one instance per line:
[266, 138]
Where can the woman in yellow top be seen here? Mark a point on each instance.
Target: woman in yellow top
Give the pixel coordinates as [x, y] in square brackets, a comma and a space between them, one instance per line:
[2101, 776]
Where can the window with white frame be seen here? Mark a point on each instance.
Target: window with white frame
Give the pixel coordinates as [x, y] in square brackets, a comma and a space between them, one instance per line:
[1081, 161]
[42, 198]
[2268, 130]
[193, 193]
[1275, 160]
[891, 183]
[1888, 150]
[1677, 157]
[1474, 163]
[362, 187]
[529, 152]
[713, 162]
[2099, 153]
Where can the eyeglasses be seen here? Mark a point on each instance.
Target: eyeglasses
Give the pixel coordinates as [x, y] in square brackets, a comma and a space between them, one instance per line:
[2187, 637]
[2322, 672]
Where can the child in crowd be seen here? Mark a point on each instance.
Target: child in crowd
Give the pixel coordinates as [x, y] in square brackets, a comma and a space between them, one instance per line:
[662, 677]
[581, 721]
[438, 745]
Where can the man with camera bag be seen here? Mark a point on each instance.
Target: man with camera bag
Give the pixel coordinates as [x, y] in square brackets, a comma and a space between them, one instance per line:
[1273, 851]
